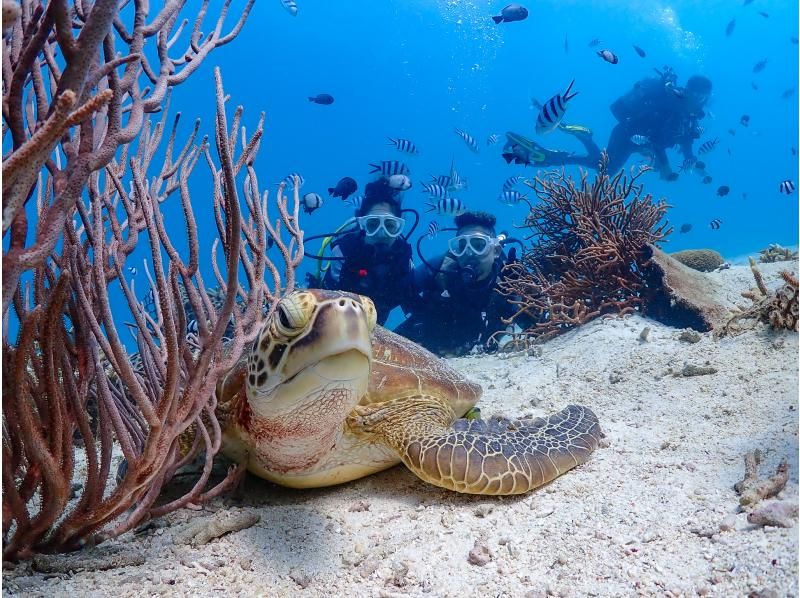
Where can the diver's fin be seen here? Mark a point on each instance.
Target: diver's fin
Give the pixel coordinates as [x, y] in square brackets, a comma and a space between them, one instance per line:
[567, 95]
[497, 20]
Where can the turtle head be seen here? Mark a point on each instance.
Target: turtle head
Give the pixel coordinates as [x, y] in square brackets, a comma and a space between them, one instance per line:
[324, 332]
[308, 369]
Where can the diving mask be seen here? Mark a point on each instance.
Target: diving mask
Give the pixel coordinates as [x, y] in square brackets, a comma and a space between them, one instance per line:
[392, 225]
[477, 243]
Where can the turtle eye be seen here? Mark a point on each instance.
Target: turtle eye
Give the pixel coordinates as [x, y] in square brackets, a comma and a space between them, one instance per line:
[283, 317]
[291, 316]
[370, 311]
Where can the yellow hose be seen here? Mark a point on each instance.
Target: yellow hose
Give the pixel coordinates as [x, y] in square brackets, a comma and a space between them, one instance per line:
[322, 266]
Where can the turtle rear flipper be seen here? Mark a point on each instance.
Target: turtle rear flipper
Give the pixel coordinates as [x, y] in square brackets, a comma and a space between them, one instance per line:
[496, 456]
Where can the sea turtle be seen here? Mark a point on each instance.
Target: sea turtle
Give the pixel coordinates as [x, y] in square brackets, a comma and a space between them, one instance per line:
[326, 396]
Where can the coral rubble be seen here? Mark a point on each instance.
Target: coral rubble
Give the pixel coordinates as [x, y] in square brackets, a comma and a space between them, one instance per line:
[779, 309]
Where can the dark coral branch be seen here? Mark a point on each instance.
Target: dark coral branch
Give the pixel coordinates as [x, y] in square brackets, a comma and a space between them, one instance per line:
[588, 254]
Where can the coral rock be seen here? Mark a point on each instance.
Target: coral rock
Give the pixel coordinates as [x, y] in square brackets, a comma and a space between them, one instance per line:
[704, 260]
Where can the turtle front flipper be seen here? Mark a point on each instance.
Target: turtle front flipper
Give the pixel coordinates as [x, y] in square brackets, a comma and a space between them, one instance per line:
[496, 456]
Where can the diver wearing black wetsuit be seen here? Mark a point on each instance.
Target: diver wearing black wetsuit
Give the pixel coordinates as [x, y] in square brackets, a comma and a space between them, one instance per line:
[373, 258]
[658, 112]
[663, 114]
[458, 306]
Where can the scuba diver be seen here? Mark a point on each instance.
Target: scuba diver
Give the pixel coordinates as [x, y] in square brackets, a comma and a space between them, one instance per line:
[458, 305]
[370, 255]
[655, 115]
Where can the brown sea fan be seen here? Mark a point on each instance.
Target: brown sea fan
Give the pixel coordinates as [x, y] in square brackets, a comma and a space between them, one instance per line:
[588, 255]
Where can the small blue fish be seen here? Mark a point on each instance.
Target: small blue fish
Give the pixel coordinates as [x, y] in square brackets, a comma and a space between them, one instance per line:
[510, 182]
[435, 190]
[390, 167]
[311, 202]
[132, 270]
[456, 182]
[708, 146]
[553, 111]
[510, 198]
[344, 188]
[289, 180]
[511, 13]
[290, 6]
[400, 182]
[449, 206]
[492, 139]
[608, 56]
[356, 201]
[443, 180]
[323, 99]
[468, 139]
[404, 145]
[715, 224]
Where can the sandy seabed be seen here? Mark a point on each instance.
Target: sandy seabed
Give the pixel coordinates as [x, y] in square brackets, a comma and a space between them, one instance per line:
[642, 517]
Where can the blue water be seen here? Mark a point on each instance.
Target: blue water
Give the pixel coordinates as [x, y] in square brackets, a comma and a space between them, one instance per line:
[417, 69]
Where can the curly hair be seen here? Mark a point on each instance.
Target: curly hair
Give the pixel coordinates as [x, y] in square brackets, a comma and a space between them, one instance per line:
[377, 192]
[482, 219]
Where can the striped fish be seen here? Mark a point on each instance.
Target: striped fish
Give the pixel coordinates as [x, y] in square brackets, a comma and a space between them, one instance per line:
[433, 229]
[435, 190]
[715, 224]
[390, 167]
[456, 182]
[708, 146]
[404, 145]
[492, 139]
[553, 111]
[290, 6]
[448, 206]
[510, 182]
[468, 139]
[355, 201]
[787, 187]
[640, 139]
[443, 180]
[510, 198]
[132, 269]
[191, 327]
[289, 180]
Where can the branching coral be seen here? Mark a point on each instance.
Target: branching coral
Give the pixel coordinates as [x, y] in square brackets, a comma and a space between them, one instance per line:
[69, 351]
[77, 84]
[588, 256]
[779, 309]
[776, 253]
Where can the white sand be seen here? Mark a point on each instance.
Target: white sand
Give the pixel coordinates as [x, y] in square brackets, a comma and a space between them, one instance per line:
[620, 525]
